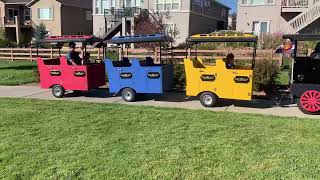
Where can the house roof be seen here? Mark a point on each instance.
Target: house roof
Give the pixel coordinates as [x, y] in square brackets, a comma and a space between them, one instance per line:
[15, 1]
[221, 4]
[86, 4]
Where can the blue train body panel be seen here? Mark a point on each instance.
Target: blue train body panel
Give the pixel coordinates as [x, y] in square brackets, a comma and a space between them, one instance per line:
[143, 78]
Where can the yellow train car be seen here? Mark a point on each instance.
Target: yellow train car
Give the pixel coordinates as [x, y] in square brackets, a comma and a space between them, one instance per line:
[219, 80]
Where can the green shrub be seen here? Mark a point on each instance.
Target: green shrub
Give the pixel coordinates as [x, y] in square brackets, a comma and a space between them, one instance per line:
[112, 55]
[265, 75]
[5, 43]
[270, 41]
[179, 75]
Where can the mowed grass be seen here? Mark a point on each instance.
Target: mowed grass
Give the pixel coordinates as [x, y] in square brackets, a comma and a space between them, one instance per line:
[73, 140]
[17, 72]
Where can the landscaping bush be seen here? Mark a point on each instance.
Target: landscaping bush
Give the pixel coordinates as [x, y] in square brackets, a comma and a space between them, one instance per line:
[270, 41]
[265, 75]
[179, 75]
[5, 43]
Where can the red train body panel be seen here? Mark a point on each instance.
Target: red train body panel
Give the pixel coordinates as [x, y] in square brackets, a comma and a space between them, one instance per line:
[81, 77]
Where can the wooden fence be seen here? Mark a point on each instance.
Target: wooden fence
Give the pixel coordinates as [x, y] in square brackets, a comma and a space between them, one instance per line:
[31, 54]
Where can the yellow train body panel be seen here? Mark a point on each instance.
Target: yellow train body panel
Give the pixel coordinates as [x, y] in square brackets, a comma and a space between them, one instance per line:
[225, 83]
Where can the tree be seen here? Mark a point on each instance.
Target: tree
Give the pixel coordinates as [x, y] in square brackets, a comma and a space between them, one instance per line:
[153, 23]
[40, 32]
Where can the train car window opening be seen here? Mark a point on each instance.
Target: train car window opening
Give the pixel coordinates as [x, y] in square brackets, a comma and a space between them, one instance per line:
[242, 59]
[55, 61]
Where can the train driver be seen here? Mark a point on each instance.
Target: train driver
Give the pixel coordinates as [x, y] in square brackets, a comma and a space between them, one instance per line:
[73, 57]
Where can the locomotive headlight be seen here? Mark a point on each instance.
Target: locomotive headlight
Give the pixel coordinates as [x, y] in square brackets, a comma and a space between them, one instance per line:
[300, 77]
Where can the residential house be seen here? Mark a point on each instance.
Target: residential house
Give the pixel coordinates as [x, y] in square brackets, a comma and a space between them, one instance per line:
[188, 17]
[16, 19]
[63, 17]
[278, 16]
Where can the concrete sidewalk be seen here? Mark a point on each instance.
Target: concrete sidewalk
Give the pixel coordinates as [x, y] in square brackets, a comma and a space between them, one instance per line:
[172, 99]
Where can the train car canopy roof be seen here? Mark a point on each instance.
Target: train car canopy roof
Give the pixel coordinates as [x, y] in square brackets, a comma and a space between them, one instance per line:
[223, 36]
[71, 38]
[139, 39]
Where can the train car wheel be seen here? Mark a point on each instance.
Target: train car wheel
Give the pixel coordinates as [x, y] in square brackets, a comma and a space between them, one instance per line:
[209, 99]
[128, 94]
[309, 102]
[58, 91]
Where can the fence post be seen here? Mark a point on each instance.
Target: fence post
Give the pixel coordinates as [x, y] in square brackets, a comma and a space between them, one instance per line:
[120, 53]
[156, 54]
[309, 51]
[31, 54]
[99, 53]
[12, 54]
[51, 53]
[189, 53]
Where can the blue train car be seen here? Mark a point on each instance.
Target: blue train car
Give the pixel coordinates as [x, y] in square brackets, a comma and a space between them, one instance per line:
[131, 77]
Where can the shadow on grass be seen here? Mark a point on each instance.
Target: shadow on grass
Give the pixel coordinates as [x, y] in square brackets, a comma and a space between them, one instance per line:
[22, 67]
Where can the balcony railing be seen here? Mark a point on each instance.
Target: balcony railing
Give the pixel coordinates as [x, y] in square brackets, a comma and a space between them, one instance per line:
[298, 3]
[11, 21]
[295, 3]
[123, 12]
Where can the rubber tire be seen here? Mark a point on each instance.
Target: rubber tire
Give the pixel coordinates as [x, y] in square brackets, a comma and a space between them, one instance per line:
[305, 111]
[215, 99]
[133, 93]
[59, 88]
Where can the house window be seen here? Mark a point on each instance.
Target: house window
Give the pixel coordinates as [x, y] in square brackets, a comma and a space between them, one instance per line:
[260, 27]
[167, 5]
[223, 13]
[256, 2]
[45, 14]
[89, 15]
[101, 5]
[132, 3]
[12, 13]
[170, 28]
[27, 14]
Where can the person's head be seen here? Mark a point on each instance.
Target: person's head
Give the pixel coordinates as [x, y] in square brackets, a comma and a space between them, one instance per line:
[72, 46]
[230, 58]
[288, 41]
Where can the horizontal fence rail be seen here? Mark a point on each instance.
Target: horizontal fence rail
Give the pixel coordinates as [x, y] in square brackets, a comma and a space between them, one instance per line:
[31, 54]
[177, 55]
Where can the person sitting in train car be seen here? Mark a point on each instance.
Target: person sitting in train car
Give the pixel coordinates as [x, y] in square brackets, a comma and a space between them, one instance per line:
[316, 53]
[73, 57]
[230, 61]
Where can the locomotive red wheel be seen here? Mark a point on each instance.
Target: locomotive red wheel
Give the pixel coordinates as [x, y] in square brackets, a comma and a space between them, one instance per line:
[309, 102]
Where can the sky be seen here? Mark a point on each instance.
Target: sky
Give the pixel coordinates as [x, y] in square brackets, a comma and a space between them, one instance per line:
[231, 3]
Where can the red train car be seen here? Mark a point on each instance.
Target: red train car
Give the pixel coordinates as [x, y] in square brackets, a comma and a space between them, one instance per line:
[61, 76]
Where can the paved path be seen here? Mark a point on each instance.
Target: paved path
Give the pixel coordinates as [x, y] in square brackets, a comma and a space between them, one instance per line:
[172, 99]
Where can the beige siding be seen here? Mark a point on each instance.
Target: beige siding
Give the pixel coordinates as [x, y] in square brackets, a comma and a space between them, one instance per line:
[74, 21]
[185, 20]
[272, 13]
[98, 23]
[2, 13]
[53, 26]
[181, 22]
[151, 5]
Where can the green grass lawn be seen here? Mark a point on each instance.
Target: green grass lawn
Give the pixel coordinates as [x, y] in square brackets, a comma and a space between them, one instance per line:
[73, 140]
[17, 72]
